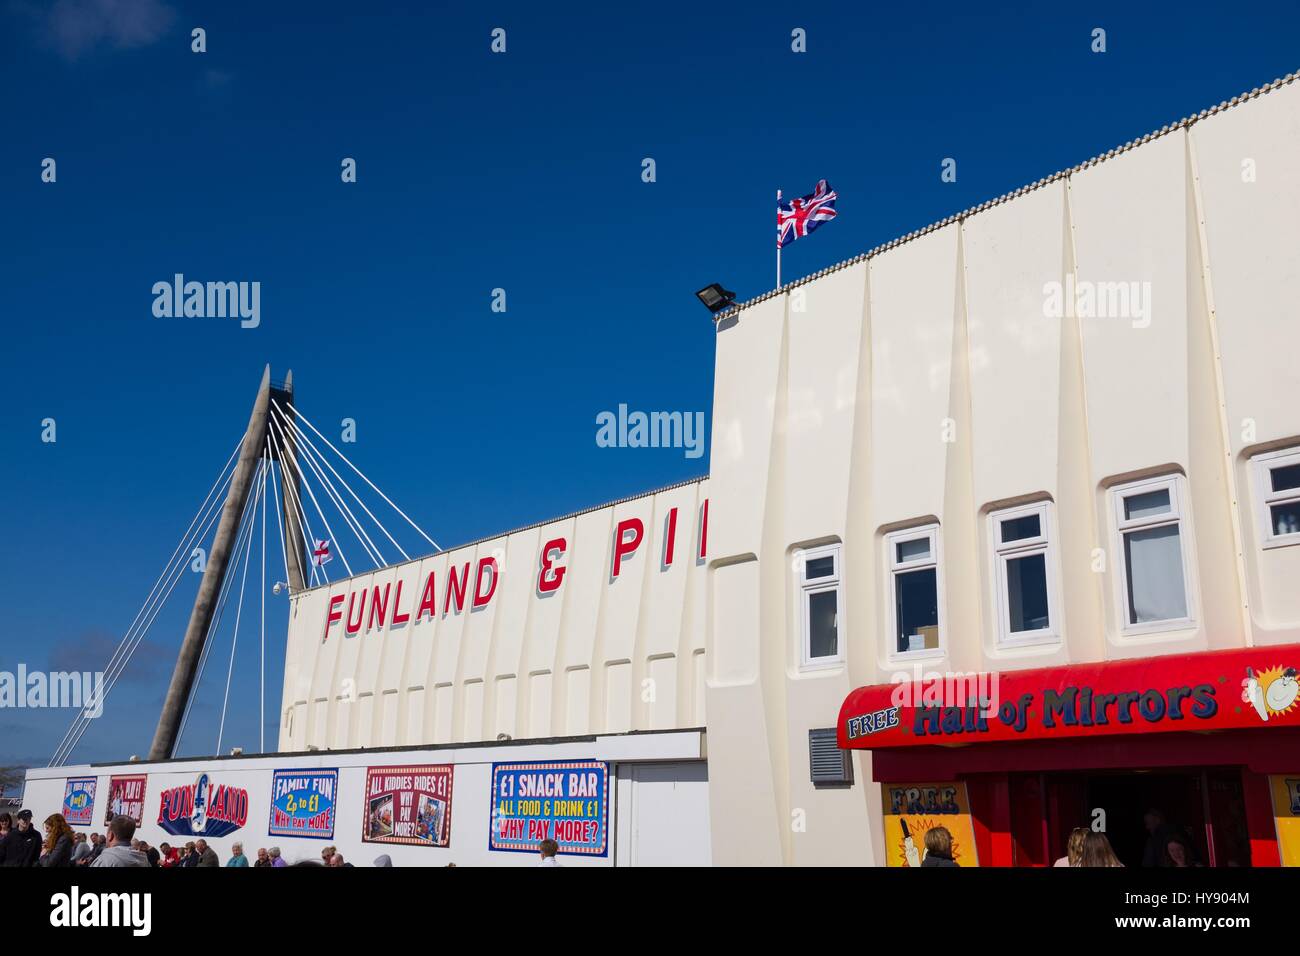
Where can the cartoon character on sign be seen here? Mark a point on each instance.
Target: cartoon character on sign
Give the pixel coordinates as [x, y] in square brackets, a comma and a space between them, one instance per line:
[381, 816]
[1271, 692]
[910, 852]
[429, 819]
[199, 817]
[922, 825]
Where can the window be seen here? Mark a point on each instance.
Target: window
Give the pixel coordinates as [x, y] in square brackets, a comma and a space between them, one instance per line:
[1153, 570]
[820, 598]
[1277, 496]
[914, 588]
[1023, 573]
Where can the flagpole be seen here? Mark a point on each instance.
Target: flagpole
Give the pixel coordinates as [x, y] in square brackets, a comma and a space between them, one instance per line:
[778, 239]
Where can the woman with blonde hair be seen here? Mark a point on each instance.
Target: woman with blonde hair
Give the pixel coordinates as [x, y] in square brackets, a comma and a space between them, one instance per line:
[1073, 847]
[938, 848]
[59, 837]
[1097, 851]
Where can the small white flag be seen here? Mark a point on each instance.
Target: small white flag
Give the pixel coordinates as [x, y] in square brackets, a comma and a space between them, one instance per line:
[321, 555]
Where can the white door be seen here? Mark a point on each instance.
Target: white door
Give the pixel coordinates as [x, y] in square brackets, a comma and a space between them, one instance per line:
[663, 812]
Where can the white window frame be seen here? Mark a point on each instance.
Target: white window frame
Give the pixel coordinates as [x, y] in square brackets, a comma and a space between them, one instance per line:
[1265, 497]
[1003, 552]
[1174, 484]
[808, 588]
[896, 567]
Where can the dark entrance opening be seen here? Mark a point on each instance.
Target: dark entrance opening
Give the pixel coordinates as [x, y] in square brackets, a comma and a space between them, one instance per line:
[1204, 807]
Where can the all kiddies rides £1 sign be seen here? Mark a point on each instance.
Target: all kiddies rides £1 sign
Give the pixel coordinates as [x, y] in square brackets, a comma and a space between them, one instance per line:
[1216, 690]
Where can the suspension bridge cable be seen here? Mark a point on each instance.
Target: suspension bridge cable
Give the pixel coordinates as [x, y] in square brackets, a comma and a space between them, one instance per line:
[187, 538]
[336, 499]
[126, 647]
[298, 412]
[214, 626]
[261, 697]
[284, 551]
[291, 501]
[316, 504]
[291, 486]
[239, 610]
[307, 442]
[137, 632]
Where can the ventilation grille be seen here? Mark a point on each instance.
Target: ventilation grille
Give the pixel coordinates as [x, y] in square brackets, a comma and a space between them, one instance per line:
[828, 764]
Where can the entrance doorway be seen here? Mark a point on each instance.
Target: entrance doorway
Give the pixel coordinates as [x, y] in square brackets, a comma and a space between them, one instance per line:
[1204, 807]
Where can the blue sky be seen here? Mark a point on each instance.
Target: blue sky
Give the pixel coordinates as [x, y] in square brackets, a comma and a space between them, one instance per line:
[476, 171]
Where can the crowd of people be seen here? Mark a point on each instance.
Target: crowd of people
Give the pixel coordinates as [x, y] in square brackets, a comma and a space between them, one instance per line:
[21, 844]
[1166, 845]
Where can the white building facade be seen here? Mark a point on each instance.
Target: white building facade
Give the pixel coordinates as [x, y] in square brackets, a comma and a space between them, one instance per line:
[1059, 430]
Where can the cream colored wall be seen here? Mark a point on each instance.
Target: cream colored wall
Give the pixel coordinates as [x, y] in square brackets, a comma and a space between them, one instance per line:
[1252, 232]
[924, 383]
[597, 655]
[928, 383]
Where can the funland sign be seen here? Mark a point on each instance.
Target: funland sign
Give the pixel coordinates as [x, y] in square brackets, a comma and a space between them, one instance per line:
[1216, 690]
[203, 808]
[356, 610]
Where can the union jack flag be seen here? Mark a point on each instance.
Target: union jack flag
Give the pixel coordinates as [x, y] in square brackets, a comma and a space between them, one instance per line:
[798, 217]
[320, 555]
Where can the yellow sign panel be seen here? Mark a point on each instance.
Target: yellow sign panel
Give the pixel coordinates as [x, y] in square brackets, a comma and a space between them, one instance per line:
[1286, 814]
[912, 809]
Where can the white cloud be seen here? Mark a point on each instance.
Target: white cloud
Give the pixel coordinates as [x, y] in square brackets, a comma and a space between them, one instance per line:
[76, 27]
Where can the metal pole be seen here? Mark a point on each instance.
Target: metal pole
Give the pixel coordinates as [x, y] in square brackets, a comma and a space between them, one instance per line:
[778, 239]
[294, 541]
[187, 662]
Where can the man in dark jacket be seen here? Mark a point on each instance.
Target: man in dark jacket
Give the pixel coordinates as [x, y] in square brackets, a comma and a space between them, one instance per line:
[23, 844]
[207, 855]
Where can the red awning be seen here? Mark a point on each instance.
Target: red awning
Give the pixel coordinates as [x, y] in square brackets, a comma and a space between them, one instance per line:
[1216, 690]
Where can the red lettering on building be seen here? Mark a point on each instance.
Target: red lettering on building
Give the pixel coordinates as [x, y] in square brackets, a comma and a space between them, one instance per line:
[623, 545]
[550, 575]
[457, 588]
[481, 599]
